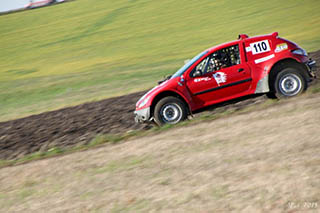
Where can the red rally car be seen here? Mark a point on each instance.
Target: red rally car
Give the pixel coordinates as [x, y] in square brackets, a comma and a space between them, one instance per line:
[250, 65]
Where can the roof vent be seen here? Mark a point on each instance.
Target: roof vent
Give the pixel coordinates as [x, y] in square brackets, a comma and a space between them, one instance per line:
[243, 36]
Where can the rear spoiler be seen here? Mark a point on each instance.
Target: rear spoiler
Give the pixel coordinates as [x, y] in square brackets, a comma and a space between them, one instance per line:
[244, 36]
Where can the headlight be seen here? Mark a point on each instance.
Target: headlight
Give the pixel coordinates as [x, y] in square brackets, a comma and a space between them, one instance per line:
[300, 52]
[144, 102]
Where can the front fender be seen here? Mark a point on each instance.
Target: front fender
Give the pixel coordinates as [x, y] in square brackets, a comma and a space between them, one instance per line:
[161, 94]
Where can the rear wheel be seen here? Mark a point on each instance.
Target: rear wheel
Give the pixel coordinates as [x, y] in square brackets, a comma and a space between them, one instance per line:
[169, 110]
[271, 95]
[289, 83]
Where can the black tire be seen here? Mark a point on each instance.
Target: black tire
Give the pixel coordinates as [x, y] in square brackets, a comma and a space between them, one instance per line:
[289, 83]
[271, 95]
[170, 110]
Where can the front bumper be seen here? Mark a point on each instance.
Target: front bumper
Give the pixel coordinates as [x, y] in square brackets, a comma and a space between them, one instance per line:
[142, 115]
[312, 68]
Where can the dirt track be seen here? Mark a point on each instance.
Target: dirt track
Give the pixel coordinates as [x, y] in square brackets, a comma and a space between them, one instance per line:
[78, 125]
[225, 165]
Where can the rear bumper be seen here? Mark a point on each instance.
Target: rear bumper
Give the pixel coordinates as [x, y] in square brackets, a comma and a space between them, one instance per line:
[312, 68]
[142, 115]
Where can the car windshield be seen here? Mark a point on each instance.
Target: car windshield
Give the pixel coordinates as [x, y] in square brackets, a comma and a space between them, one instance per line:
[188, 64]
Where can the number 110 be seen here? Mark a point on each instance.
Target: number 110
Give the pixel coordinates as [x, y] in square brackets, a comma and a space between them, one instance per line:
[260, 47]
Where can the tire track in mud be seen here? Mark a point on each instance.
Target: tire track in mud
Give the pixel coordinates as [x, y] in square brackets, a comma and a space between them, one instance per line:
[68, 126]
[78, 125]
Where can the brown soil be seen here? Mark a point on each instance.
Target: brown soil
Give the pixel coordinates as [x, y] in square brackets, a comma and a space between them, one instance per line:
[259, 161]
[80, 124]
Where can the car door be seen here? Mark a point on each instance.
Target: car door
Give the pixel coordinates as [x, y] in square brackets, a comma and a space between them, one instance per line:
[200, 81]
[219, 76]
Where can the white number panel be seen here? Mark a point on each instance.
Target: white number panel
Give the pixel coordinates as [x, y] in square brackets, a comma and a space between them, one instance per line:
[260, 47]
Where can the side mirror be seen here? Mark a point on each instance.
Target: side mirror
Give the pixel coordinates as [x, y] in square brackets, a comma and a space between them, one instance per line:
[197, 73]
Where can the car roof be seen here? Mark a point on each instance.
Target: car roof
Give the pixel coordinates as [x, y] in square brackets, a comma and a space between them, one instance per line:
[242, 37]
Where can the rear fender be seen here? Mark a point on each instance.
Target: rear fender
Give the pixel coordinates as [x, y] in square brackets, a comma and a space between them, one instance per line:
[284, 63]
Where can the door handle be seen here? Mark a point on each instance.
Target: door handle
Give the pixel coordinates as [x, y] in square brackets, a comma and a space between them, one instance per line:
[240, 70]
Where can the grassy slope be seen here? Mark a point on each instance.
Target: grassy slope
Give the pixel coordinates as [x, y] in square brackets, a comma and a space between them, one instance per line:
[190, 169]
[87, 50]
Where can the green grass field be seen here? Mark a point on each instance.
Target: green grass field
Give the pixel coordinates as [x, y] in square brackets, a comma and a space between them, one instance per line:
[88, 50]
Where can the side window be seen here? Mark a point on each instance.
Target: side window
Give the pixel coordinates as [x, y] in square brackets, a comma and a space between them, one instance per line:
[224, 58]
[200, 69]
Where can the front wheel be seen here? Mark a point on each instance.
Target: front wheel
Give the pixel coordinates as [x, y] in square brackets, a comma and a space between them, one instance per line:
[289, 83]
[169, 110]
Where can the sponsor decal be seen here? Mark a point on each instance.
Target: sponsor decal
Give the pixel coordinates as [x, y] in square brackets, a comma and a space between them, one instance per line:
[220, 77]
[260, 47]
[281, 47]
[257, 61]
[202, 79]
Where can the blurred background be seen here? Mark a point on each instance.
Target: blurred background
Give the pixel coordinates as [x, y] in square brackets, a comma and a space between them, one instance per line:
[254, 155]
[85, 50]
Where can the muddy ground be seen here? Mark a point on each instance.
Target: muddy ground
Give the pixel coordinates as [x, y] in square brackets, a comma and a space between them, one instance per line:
[80, 124]
[224, 165]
